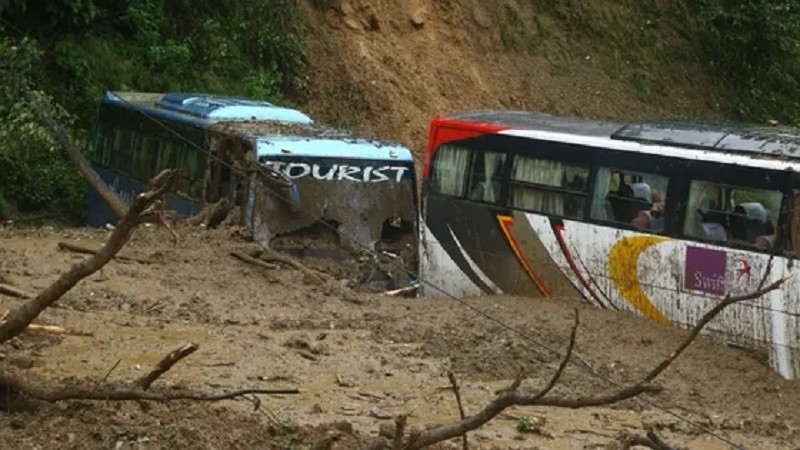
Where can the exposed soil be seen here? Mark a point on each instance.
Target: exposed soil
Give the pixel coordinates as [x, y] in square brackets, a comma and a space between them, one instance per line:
[390, 67]
[352, 361]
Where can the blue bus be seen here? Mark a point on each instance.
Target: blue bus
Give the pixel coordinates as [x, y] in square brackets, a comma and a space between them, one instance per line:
[291, 177]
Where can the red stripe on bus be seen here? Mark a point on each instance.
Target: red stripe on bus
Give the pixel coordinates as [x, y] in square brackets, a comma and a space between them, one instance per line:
[560, 235]
[445, 130]
[506, 222]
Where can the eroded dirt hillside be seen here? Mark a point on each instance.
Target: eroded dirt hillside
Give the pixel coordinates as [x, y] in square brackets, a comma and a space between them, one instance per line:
[390, 66]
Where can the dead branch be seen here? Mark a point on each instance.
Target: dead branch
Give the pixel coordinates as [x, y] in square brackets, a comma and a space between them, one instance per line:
[401, 291]
[272, 255]
[53, 329]
[165, 364]
[256, 262]
[564, 361]
[81, 163]
[652, 441]
[78, 248]
[707, 317]
[11, 291]
[399, 431]
[457, 392]
[20, 318]
[104, 391]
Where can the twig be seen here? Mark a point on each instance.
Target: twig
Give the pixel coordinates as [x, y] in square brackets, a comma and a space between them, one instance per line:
[77, 248]
[11, 291]
[112, 369]
[401, 291]
[564, 361]
[165, 364]
[256, 262]
[457, 392]
[105, 392]
[399, 431]
[53, 329]
[652, 441]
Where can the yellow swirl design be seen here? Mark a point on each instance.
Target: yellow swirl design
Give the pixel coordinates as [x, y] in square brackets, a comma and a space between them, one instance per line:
[623, 266]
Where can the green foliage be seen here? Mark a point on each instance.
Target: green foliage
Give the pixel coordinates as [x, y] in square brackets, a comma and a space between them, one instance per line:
[755, 44]
[524, 425]
[76, 49]
[34, 173]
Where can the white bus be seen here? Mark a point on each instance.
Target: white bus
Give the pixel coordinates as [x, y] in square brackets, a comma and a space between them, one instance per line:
[664, 219]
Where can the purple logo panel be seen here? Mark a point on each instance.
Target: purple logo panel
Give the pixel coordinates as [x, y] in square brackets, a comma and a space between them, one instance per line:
[705, 270]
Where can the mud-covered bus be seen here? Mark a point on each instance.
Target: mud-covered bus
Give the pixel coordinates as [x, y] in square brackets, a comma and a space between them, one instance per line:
[663, 219]
[300, 187]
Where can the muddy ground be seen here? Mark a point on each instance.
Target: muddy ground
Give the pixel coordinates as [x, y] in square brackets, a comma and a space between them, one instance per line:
[355, 364]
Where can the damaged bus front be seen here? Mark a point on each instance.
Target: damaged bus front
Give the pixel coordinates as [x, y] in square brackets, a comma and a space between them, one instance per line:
[336, 197]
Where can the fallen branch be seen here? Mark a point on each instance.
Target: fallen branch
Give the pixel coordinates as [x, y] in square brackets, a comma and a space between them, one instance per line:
[78, 248]
[652, 441]
[457, 392]
[11, 291]
[256, 262]
[53, 329]
[20, 318]
[104, 391]
[165, 364]
[401, 291]
[78, 159]
[275, 256]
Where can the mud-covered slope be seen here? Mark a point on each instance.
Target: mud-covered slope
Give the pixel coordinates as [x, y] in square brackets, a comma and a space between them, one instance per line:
[390, 67]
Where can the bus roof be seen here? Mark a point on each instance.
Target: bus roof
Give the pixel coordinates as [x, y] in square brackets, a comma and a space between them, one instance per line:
[204, 109]
[332, 148]
[762, 142]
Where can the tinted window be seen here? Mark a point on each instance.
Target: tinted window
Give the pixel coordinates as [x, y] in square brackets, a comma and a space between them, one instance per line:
[630, 198]
[733, 215]
[548, 187]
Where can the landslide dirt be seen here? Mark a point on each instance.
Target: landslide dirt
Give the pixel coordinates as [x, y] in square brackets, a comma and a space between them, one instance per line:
[355, 364]
[389, 67]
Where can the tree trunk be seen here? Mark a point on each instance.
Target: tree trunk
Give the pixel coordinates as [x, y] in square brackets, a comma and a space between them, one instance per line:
[81, 163]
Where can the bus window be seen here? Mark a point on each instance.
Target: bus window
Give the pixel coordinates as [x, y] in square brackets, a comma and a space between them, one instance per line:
[734, 215]
[630, 198]
[120, 158]
[549, 187]
[486, 174]
[450, 170]
[145, 155]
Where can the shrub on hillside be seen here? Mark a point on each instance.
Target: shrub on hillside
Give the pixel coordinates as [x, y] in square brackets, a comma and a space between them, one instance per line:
[755, 45]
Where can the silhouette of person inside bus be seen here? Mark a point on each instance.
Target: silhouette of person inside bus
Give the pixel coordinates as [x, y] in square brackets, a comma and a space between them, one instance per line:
[651, 219]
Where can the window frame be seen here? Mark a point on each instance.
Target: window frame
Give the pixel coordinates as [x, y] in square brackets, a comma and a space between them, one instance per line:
[756, 179]
[566, 192]
[668, 217]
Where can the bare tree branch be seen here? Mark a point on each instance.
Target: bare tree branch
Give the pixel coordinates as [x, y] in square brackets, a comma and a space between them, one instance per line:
[564, 361]
[104, 391]
[457, 392]
[708, 317]
[165, 364]
[78, 248]
[20, 318]
[11, 291]
[81, 163]
[256, 262]
[651, 441]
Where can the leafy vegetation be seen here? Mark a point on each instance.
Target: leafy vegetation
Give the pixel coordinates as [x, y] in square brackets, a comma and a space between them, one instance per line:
[755, 46]
[73, 50]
